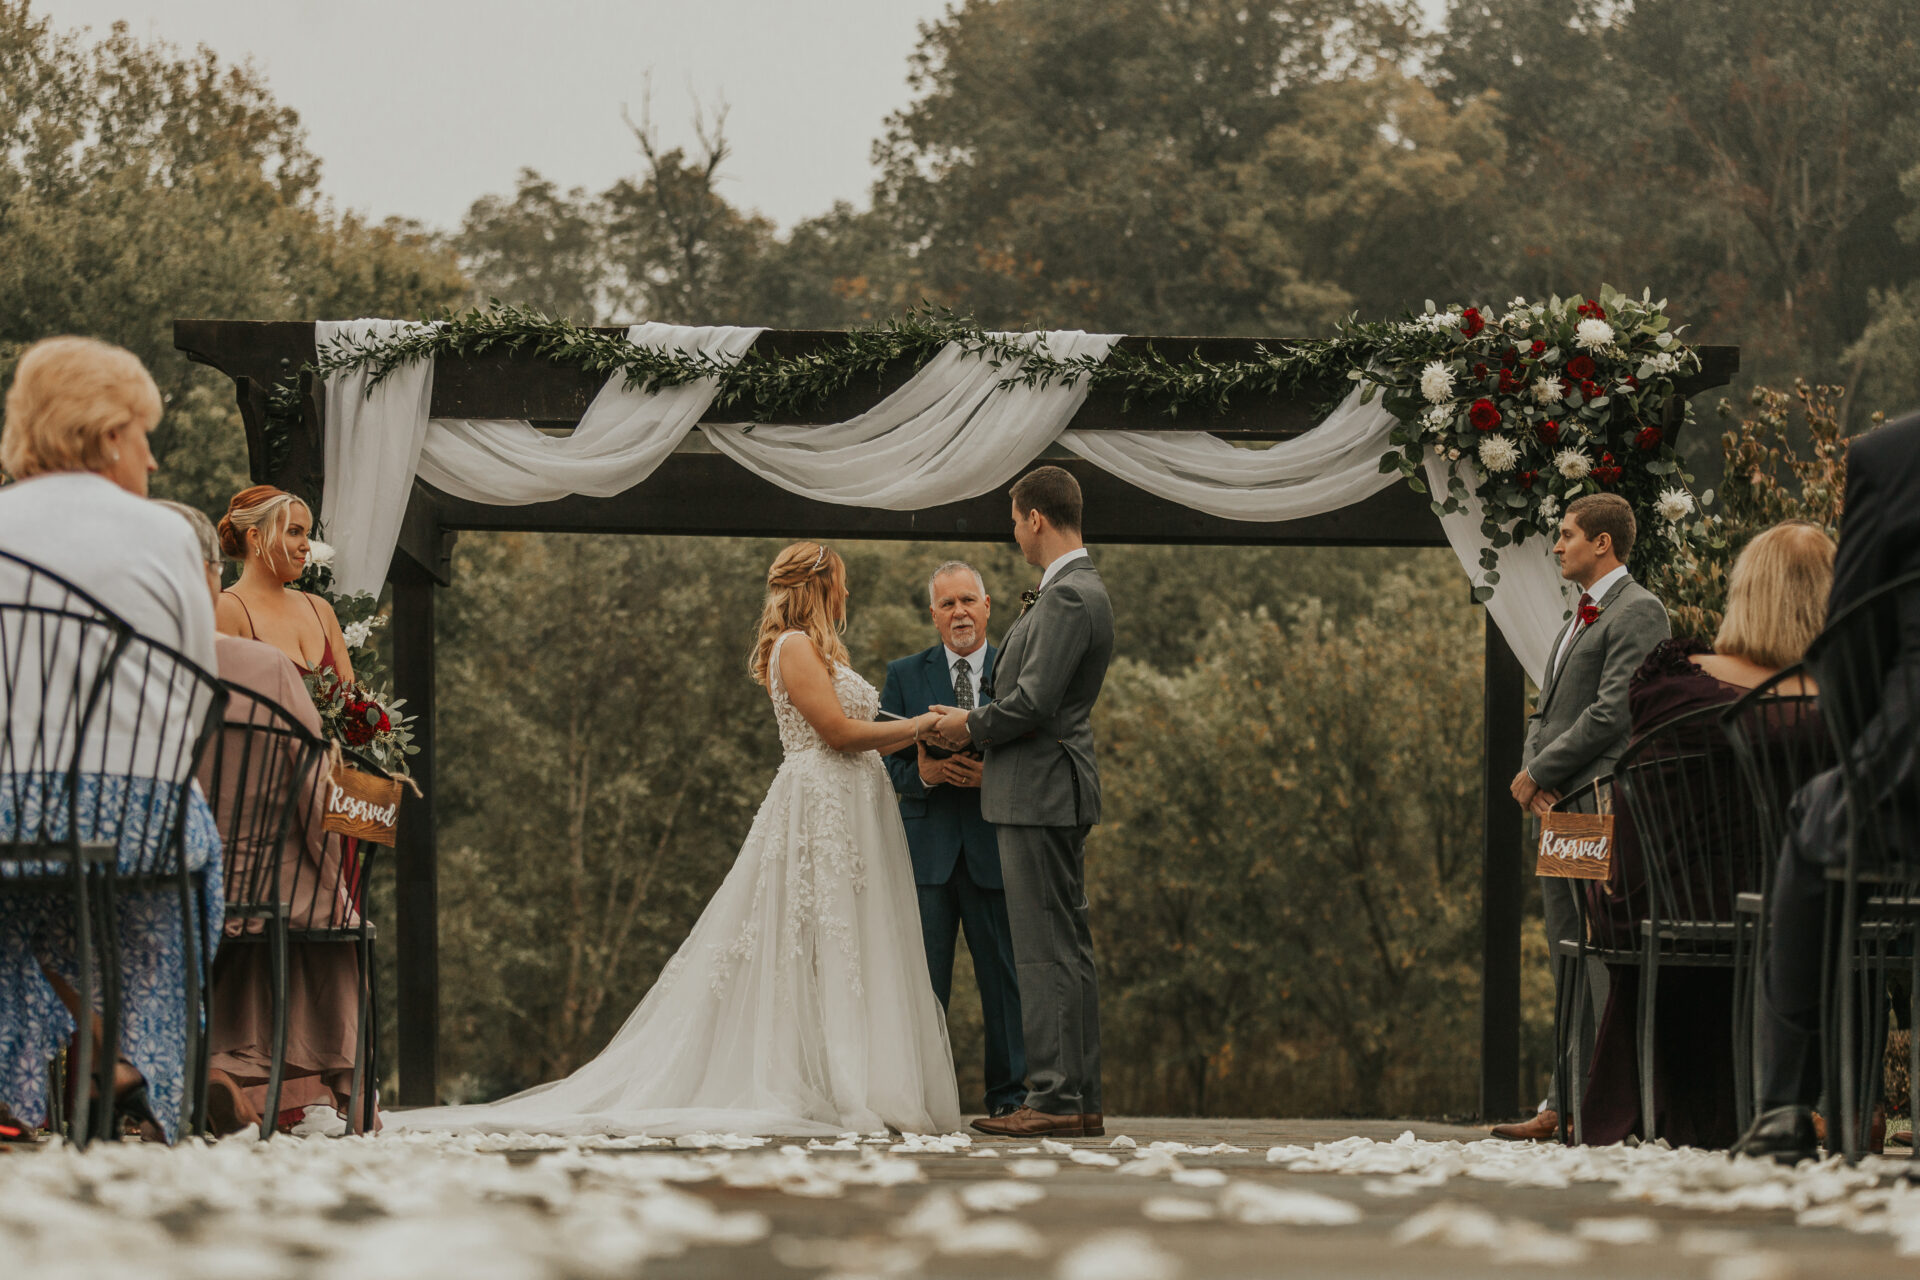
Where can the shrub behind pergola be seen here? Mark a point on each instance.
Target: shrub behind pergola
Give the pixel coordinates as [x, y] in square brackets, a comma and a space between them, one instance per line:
[704, 494]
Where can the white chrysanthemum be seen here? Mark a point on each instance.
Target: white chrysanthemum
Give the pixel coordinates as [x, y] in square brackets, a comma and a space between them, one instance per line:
[1574, 464]
[320, 553]
[1593, 334]
[1674, 505]
[1436, 382]
[1549, 507]
[1547, 391]
[1497, 453]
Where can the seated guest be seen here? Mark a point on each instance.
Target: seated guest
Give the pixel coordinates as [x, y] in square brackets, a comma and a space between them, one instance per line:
[78, 415]
[323, 978]
[1879, 544]
[1776, 605]
[268, 530]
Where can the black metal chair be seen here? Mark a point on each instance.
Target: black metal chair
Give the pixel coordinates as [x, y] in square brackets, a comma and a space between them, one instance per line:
[1681, 790]
[1779, 742]
[263, 768]
[1867, 662]
[1608, 910]
[103, 728]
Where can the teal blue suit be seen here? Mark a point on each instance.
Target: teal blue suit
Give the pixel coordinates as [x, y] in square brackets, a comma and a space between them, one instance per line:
[956, 870]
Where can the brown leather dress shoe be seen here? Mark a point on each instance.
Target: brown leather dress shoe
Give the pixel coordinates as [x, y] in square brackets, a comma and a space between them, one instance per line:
[1093, 1125]
[1028, 1123]
[1544, 1127]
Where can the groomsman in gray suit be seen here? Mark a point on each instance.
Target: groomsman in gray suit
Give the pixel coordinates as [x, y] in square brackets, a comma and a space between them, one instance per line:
[1579, 728]
[1041, 790]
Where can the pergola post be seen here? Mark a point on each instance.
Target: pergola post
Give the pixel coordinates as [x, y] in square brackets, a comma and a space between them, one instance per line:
[1502, 879]
[416, 872]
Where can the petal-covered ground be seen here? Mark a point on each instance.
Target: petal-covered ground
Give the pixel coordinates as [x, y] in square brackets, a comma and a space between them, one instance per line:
[1159, 1200]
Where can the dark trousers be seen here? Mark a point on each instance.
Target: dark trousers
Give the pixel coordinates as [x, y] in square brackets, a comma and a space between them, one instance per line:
[1560, 911]
[944, 910]
[1053, 947]
[1789, 1016]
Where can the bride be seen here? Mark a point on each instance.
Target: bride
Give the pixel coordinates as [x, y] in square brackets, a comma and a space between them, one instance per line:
[800, 1003]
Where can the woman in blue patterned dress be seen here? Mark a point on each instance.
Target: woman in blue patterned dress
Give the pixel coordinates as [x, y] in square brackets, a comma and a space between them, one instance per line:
[75, 443]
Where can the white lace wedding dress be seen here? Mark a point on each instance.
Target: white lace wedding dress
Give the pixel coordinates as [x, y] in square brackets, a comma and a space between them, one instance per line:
[800, 1003]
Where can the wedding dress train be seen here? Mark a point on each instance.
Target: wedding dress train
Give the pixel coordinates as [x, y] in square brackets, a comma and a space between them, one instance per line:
[800, 1003]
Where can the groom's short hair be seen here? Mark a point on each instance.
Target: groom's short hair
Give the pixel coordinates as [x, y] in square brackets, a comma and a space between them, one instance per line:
[1607, 513]
[1052, 492]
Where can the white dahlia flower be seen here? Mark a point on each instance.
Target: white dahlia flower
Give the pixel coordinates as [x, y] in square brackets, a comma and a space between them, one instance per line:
[1593, 334]
[1436, 382]
[1497, 453]
[1547, 391]
[1674, 505]
[1574, 464]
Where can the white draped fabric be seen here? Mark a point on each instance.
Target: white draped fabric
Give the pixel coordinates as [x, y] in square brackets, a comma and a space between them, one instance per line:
[951, 432]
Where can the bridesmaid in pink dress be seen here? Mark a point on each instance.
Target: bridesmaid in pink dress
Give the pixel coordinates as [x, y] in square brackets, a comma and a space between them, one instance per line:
[268, 531]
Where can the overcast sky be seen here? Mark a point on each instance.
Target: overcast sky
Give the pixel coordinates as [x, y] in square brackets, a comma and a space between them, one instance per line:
[417, 107]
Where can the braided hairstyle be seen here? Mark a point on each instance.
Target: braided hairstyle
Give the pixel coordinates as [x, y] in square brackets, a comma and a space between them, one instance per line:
[806, 591]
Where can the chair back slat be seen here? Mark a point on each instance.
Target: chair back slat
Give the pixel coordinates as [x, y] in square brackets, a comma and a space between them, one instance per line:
[261, 765]
[1780, 741]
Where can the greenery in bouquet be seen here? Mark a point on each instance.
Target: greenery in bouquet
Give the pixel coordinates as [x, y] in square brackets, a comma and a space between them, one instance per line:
[365, 722]
[1534, 405]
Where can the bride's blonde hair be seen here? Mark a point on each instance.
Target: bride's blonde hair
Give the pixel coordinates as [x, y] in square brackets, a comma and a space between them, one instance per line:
[804, 593]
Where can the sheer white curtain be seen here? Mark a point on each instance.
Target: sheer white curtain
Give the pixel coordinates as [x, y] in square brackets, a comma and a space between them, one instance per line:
[951, 432]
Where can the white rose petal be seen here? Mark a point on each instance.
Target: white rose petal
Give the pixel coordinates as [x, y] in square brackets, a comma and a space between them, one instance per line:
[1497, 453]
[1593, 334]
[1436, 382]
[1574, 464]
[319, 553]
[1674, 505]
[1547, 391]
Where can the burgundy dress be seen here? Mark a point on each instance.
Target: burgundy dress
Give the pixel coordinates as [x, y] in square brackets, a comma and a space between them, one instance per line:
[1693, 1019]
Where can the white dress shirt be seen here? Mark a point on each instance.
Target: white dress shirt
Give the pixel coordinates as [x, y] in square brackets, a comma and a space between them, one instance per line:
[1054, 570]
[977, 667]
[1598, 591]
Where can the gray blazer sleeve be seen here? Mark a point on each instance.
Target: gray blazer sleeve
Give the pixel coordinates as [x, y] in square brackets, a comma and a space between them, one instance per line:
[1607, 720]
[1056, 638]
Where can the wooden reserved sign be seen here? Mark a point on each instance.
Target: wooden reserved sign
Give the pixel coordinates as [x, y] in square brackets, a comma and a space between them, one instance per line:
[361, 804]
[1576, 846]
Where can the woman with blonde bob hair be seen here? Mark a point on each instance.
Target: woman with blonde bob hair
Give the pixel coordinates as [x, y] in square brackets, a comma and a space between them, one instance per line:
[1776, 604]
[800, 1003]
[75, 442]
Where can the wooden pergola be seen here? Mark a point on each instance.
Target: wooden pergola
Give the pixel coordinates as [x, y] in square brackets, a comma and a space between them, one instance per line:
[696, 493]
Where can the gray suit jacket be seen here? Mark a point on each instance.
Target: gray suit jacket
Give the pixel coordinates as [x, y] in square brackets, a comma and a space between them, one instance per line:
[1037, 733]
[1582, 722]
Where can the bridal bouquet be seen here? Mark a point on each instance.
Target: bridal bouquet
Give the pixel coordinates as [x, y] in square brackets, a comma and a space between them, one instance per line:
[367, 723]
[1530, 407]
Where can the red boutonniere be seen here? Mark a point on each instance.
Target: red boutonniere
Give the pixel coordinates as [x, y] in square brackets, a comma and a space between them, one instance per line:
[1589, 614]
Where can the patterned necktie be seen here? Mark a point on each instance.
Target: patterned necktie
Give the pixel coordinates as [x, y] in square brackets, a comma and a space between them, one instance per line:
[963, 685]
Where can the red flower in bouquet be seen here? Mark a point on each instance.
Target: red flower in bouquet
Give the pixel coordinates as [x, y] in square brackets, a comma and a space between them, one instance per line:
[1483, 415]
[1549, 432]
[1607, 472]
[1580, 367]
[1591, 311]
[1591, 389]
[1538, 349]
[1649, 438]
[1526, 479]
[1510, 356]
[1510, 382]
[1479, 371]
[1471, 322]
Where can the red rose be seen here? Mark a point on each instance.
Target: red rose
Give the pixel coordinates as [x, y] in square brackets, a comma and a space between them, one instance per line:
[1526, 478]
[1591, 390]
[1470, 322]
[1649, 438]
[1483, 415]
[1539, 348]
[1580, 367]
[1549, 432]
[386, 726]
[357, 731]
[1479, 371]
[1592, 311]
[1633, 382]
[1511, 381]
[1589, 614]
[1509, 356]
[1606, 473]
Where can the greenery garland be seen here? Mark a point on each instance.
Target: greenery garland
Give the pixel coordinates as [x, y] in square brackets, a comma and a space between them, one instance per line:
[1530, 408]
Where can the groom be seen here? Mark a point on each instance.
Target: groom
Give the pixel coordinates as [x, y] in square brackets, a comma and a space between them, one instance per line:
[1041, 790]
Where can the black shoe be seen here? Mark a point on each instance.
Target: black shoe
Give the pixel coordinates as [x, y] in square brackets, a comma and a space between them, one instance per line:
[1003, 1110]
[1784, 1134]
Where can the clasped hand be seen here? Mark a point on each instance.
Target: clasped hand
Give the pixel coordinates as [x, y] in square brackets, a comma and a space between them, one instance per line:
[950, 730]
[1531, 796]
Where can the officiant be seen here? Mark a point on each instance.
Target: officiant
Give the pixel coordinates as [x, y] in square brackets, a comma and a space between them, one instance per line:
[956, 858]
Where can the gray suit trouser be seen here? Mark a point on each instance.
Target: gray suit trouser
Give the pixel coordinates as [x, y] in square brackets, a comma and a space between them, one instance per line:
[1561, 907]
[1044, 871]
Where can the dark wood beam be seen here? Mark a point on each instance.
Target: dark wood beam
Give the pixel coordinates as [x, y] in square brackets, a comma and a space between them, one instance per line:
[416, 861]
[1503, 879]
[707, 494]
